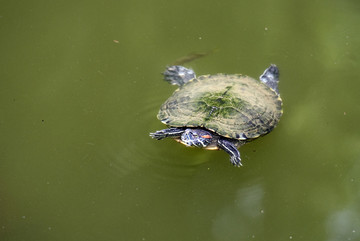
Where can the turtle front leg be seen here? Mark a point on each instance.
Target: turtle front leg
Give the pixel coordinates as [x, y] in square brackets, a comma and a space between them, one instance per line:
[170, 132]
[230, 149]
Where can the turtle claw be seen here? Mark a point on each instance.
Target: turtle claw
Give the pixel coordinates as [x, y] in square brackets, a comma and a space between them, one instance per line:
[236, 161]
[157, 135]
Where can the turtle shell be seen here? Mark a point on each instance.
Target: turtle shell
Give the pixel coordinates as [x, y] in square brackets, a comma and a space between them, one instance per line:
[233, 106]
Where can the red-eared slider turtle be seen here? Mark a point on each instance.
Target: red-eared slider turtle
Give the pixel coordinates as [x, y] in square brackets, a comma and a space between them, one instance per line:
[220, 111]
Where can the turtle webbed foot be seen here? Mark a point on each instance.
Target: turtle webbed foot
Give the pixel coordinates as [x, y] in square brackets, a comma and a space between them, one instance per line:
[158, 135]
[170, 132]
[178, 75]
[270, 77]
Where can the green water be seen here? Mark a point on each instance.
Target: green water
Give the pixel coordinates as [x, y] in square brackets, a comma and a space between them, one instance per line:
[80, 87]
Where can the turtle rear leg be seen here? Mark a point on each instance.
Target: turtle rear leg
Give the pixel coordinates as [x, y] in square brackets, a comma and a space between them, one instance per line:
[170, 132]
[270, 77]
[230, 149]
[178, 75]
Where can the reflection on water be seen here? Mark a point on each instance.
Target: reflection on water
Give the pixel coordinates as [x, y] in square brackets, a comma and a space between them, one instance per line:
[243, 217]
[344, 223]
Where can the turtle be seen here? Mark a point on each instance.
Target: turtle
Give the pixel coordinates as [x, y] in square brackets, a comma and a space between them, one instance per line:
[220, 111]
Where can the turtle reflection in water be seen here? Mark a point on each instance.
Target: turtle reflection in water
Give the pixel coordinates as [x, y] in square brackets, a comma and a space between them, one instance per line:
[220, 111]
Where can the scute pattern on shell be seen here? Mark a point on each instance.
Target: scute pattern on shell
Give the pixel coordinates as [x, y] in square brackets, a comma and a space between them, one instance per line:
[233, 106]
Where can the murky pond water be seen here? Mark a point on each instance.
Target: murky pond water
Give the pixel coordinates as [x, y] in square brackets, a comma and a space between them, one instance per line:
[79, 93]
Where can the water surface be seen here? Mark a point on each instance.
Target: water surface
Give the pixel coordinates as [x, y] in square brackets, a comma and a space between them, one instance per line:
[80, 89]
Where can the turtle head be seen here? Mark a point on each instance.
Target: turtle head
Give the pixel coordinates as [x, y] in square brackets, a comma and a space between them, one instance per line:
[196, 137]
